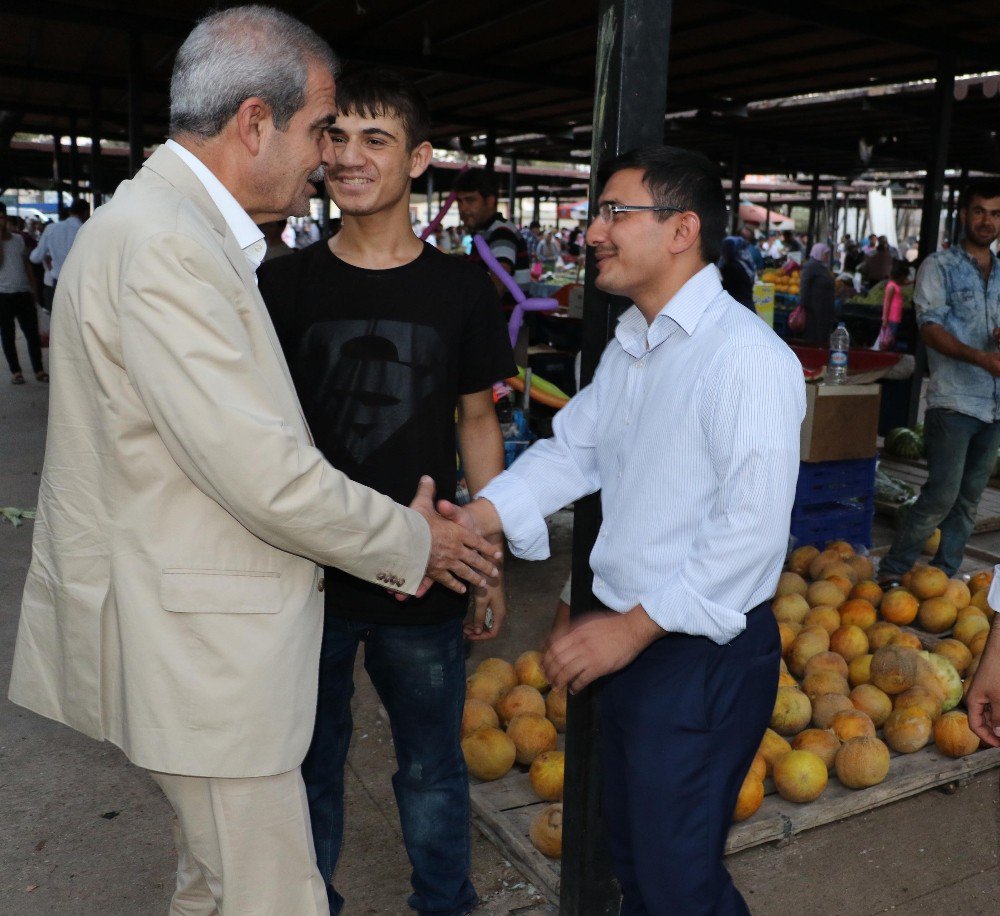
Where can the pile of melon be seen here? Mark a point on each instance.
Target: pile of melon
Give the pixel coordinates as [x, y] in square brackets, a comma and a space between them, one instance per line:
[512, 716]
[855, 681]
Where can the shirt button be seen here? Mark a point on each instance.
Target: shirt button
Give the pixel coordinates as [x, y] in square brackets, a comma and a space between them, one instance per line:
[321, 585]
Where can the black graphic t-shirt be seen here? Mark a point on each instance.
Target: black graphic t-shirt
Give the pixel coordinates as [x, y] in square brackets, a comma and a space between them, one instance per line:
[379, 359]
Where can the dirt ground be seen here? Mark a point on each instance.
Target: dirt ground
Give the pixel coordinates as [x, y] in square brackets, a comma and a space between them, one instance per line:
[84, 832]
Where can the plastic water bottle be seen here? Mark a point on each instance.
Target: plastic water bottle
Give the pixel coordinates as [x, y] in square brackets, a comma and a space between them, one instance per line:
[840, 343]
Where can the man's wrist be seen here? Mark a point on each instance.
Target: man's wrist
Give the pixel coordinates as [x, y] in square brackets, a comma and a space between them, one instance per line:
[643, 627]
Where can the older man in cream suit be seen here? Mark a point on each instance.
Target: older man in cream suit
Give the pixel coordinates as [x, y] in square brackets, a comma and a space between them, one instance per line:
[173, 602]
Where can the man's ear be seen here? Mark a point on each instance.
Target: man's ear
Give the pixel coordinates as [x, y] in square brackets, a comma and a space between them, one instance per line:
[253, 118]
[420, 158]
[686, 234]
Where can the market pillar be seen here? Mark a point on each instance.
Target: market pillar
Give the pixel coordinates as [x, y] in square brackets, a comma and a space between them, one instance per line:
[512, 189]
[930, 220]
[630, 97]
[96, 189]
[491, 150]
[736, 189]
[430, 193]
[135, 133]
[813, 201]
[74, 159]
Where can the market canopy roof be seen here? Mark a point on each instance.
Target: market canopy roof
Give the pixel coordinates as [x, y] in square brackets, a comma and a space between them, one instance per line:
[525, 70]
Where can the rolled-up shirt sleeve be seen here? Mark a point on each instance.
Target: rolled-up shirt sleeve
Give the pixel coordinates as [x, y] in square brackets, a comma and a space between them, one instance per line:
[751, 412]
[549, 475]
[929, 296]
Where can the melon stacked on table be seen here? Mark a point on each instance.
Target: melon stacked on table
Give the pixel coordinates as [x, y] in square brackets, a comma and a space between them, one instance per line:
[853, 669]
[512, 716]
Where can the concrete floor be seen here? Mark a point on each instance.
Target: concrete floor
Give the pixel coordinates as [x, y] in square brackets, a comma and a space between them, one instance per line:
[84, 832]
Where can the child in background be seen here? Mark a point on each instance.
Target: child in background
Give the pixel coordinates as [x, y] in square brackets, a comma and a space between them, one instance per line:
[892, 306]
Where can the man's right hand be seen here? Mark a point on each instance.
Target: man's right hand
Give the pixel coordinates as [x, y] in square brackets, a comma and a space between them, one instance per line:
[456, 552]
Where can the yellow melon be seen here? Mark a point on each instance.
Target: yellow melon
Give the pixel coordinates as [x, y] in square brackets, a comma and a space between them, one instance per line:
[873, 702]
[750, 798]
[489, 753]
[907, 730]
[953, 736]
[546, 831]
[800, 776]
[849, 641]
[476, 714]
[899, 607]
[547, 775]
[937, 615]
[862, 762]
[820, 741]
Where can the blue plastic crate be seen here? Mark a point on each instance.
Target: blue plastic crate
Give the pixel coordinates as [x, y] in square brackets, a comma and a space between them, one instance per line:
[512, 448]
[828, 481]
[843, 520]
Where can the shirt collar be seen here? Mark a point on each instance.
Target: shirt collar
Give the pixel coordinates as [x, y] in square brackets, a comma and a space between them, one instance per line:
[247, 234]
[683, 311]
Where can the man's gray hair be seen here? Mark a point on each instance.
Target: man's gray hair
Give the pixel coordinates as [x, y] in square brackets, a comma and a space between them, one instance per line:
[241, 53]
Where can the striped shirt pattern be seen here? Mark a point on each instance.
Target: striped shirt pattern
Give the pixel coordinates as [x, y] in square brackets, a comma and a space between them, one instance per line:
[690, 430]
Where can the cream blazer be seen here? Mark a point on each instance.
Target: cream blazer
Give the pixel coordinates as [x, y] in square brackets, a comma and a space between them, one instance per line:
[173, 601]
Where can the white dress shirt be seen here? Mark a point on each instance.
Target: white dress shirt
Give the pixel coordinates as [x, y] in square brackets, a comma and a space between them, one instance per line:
[690, 430]
[56, 241]
[246, 232]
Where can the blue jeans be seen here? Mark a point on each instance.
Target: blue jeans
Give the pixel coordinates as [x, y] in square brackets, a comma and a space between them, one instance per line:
[419, 674]
[961, 453]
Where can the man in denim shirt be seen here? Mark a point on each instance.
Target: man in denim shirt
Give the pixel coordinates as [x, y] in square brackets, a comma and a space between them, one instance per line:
[957, 297]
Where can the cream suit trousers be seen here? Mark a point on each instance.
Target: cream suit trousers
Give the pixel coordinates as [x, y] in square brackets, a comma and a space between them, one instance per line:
[244, 846]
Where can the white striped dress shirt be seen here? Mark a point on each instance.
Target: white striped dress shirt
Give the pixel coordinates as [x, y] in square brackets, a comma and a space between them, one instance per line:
[690, 430]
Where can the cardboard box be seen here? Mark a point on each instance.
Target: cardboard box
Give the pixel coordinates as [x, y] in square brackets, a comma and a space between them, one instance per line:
[841, 422]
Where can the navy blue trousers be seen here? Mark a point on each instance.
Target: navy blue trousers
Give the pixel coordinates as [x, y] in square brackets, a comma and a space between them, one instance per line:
[679, 729]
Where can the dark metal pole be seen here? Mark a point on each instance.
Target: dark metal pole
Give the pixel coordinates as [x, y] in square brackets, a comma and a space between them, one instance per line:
[491, 150]
[57, 171]
[630, 99]
[96, 186]
[512, 189]
[737, 187]
[930, 221]
[956, 224]
[537, 205]
[74, 158]
[430, 193]
[813, 200]
[135, 133]
[767, 216]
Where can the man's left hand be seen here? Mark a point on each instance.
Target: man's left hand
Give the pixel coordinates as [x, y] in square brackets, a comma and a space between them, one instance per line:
[599, 646]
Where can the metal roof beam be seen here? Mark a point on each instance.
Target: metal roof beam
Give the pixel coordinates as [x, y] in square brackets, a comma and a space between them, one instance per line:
[57, 11]
[878, 27]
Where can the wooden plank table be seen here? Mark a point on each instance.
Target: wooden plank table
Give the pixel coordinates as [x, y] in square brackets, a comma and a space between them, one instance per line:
[503, 810]
[914, 473]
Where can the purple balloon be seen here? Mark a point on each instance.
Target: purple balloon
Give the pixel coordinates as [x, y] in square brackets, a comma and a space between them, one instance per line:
[524, 304]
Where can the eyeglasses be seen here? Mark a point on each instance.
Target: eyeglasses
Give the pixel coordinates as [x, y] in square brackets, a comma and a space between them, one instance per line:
[607, 212]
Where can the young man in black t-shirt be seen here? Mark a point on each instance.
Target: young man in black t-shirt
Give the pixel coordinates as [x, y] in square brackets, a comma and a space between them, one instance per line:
[386, 338]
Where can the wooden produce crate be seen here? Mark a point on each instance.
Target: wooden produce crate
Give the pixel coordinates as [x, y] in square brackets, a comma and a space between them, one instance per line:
[503, 810]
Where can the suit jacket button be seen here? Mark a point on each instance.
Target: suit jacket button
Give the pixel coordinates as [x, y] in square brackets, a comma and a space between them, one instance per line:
[321, 584]
[402, 582]
[381, 577]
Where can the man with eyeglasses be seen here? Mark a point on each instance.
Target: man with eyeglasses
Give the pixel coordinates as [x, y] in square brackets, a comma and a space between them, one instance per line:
[690, 431]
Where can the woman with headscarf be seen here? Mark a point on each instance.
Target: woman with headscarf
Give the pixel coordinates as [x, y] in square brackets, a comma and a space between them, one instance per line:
[737, 270]
[816, 294]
